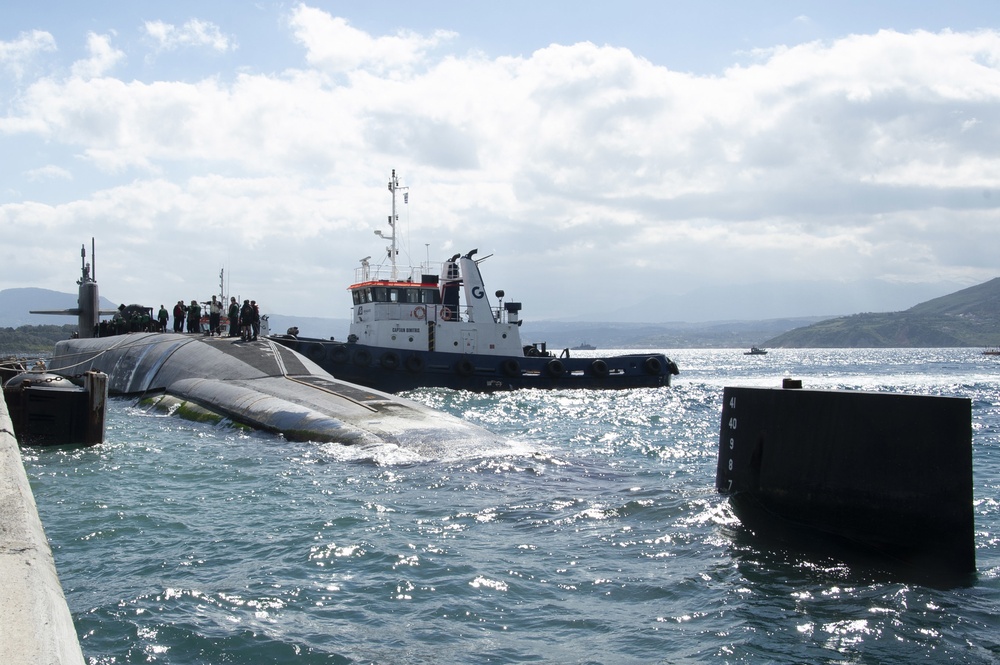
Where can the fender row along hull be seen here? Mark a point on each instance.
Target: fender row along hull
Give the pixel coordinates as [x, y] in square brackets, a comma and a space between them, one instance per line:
[262, 385]
[396, 370]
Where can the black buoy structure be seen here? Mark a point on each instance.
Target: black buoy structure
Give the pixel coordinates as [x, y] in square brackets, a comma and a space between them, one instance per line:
[884, 475]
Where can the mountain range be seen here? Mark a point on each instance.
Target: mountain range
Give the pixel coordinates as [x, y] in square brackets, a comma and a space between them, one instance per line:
[970, 317]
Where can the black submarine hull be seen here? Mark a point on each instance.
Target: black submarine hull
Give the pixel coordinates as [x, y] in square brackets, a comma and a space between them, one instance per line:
[394, 371]
[265, 386]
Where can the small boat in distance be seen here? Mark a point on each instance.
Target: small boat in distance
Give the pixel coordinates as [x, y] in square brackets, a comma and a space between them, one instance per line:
[584, 347]
[992, 351]
[755, 351]
[412, 328]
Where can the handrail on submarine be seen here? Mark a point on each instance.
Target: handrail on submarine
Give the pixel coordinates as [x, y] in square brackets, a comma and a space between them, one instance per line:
[284, 373]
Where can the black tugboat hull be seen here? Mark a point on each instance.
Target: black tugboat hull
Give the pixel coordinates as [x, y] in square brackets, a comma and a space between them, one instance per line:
[392, 370]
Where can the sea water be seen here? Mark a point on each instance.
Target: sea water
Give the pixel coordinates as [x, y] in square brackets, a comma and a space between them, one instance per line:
[595, 536]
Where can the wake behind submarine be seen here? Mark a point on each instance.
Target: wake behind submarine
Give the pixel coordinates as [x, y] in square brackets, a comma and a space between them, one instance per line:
[259, 384]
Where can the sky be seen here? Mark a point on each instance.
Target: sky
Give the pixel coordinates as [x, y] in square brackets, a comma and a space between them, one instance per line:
[636, 161]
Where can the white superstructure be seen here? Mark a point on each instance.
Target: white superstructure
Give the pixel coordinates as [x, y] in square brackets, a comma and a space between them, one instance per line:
[407, 309]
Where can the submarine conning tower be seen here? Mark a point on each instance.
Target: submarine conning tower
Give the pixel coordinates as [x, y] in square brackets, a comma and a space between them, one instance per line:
[88, 301]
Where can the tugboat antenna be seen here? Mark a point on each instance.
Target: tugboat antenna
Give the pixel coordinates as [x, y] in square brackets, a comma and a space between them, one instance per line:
[393, 186]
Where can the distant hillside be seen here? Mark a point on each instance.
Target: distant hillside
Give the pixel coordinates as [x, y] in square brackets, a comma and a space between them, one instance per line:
[561, 334]
[970, 317]
[16, 303]
[32, 340]
[310, 326]
[678, 335]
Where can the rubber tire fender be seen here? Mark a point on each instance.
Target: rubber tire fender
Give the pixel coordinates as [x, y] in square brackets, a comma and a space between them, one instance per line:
[362, 358]
[510, 367]
[415, 364]
[339, 355]
[555, 368]
[464, 367]
[316, 352]
[389, 360]
[599, 368]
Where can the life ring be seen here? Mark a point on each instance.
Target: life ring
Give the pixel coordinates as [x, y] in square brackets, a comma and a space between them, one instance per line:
[415, 364]
[419, 312]
[389, 360]
[362, 357]
[555, 367]
[599, 368]
[510, 367]
[653, 365]
[446, 313]
[316, 352]
[464, 367]
[339, 355]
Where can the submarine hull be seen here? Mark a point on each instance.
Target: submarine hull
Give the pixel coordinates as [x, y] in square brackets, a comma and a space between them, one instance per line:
[263, 385]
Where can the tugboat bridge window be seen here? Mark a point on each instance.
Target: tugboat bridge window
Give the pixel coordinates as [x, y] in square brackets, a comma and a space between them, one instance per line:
[391, 294]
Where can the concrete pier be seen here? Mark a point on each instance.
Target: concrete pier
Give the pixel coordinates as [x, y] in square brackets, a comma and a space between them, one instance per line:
[36, 627]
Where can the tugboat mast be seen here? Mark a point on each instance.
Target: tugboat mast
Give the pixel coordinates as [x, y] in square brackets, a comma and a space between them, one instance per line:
[391, 249]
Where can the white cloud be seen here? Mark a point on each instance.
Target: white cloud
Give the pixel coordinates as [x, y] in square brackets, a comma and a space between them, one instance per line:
[103, 57]
[873, 156]
[17, 55]
[196, 32]
[334, 46]
[49, 172]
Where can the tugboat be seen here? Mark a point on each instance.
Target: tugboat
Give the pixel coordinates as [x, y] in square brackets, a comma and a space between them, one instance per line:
[411, 329]
[755, 351]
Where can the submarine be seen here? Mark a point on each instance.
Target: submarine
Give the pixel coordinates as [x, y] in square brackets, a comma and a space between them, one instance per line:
[259, 384]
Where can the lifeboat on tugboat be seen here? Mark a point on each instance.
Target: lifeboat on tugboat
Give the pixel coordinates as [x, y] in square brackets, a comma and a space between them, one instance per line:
[411, 328]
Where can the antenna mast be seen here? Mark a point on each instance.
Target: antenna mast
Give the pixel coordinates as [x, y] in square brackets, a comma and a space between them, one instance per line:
[391, 249]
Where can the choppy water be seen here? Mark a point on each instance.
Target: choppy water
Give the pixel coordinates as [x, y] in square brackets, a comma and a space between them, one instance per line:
[596, 538]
